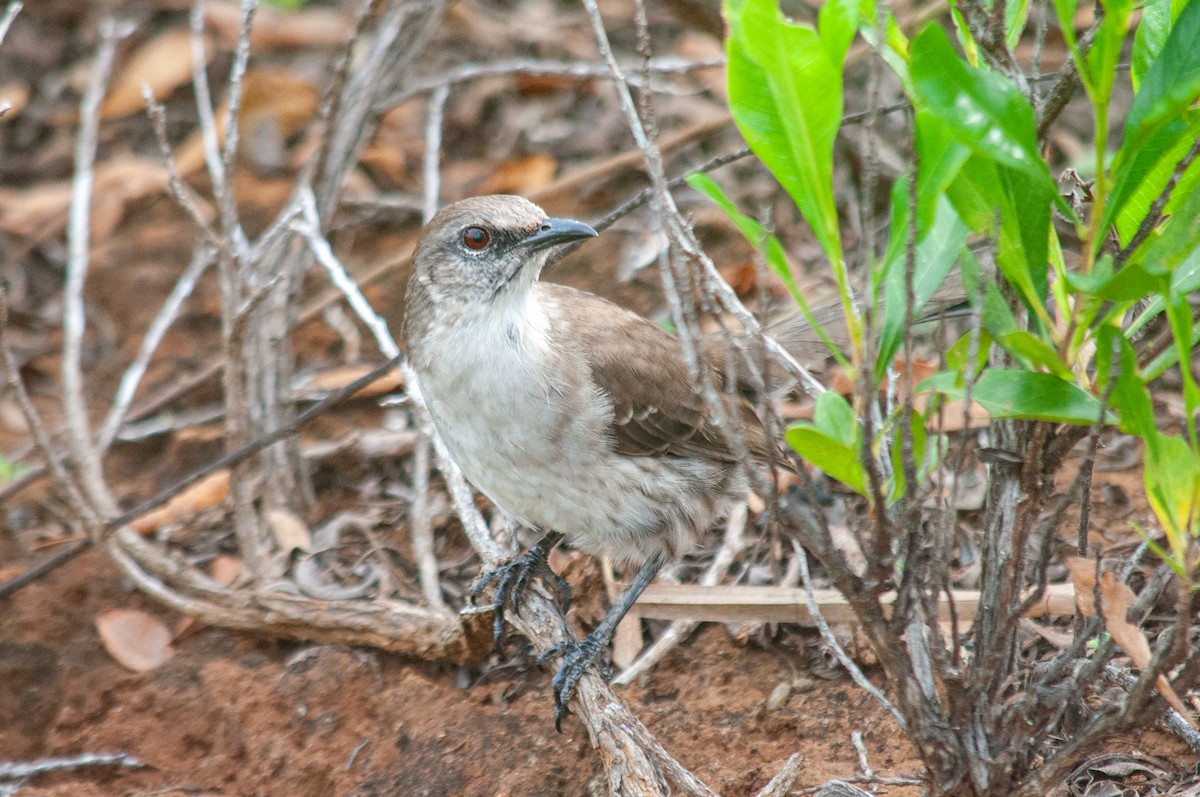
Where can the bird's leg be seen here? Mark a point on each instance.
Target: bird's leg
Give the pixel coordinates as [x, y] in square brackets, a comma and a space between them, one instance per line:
[578, 656]
[514, 577]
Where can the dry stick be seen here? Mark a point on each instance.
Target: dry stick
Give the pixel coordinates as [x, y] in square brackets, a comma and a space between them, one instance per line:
[183, 195]
[431, 183]
[679, 630]
[85, 458]
[12, 378]
[1172, 718]
[420, 524]
[781, 784]
[20, 770]
[202, 258]
[582, 70]
[332, 103]
[464, 502]
[6, 21]
[814, 609]
[204, 106]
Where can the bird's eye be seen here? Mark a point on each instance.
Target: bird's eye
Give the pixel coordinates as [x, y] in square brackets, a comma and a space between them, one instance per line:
[476, 238]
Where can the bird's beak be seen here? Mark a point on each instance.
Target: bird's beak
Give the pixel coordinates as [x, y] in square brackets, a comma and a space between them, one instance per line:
[555, 232]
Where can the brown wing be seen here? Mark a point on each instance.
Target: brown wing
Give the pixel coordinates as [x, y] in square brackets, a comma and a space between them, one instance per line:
[656, 410]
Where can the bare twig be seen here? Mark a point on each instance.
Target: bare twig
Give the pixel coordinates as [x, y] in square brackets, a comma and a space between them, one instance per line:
[830, 639]
[20, 770]
[420, 527]
[6, 21]
[183, 195]
[204, 106]
[202, 258]
[12, 378]
[431, 176]
[581, 70]
[84, 454]
[781, 784]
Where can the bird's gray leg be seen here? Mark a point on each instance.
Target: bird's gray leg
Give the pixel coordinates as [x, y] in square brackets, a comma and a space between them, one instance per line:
[578, 656]
[514, 577]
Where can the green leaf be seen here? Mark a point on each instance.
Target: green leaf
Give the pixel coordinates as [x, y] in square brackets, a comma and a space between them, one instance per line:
[983, 109]
[1173, 489]
[751, 230]
[1015, 14]
[1130, 284]
[769, 245]
[834, 417]
[1177, 239]
[1100, 63]
[785, 93]
[831, 441]
[1141, 174]
[1035, 351]
[1171, 84]
[1157, 18]
[838, 461]
[1128, 395]
[1022, 395]
[940, 158]
[936, 253]
[958, 355]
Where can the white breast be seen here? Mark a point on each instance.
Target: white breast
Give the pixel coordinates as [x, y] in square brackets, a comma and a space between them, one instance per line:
[525, 423]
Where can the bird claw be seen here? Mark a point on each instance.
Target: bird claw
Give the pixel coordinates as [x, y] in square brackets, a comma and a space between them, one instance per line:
[514, 578]
[577, 657]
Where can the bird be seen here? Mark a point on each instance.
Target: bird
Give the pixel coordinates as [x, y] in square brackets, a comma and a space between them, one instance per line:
[575, 416]
[572, 414]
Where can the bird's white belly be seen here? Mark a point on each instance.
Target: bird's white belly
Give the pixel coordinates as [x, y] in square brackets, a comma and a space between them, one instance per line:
[518, 432]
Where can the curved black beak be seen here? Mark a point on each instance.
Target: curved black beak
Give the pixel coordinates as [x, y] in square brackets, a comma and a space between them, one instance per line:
[555, 232]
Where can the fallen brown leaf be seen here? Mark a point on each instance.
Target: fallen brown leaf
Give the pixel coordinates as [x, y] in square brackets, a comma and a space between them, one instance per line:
[40, 212]
[521, 176]
[163, 63]
[321, 383]
[136, 640]
[276, 105]
[208, 492]
[291, 533]
[224, 569]
[1116, 598]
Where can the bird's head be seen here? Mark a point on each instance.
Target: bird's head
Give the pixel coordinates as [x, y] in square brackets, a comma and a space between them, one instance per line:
[488, 248]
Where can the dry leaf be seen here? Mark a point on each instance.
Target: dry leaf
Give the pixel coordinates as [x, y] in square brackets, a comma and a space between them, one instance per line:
[163, 63]
[290, 532]
[321, 383]
[208, 492]
[40, 212]
[522, 176]
[14, 96]
[276, 105]
[1116, 598]
[136, 640]
[742, 277]
[224, 569]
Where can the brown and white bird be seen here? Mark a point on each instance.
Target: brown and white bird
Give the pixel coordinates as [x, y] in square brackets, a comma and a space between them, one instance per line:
[574, 415]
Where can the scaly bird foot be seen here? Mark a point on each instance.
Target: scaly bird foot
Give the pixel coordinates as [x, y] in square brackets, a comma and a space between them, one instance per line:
[514, 578]
[577, 657]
